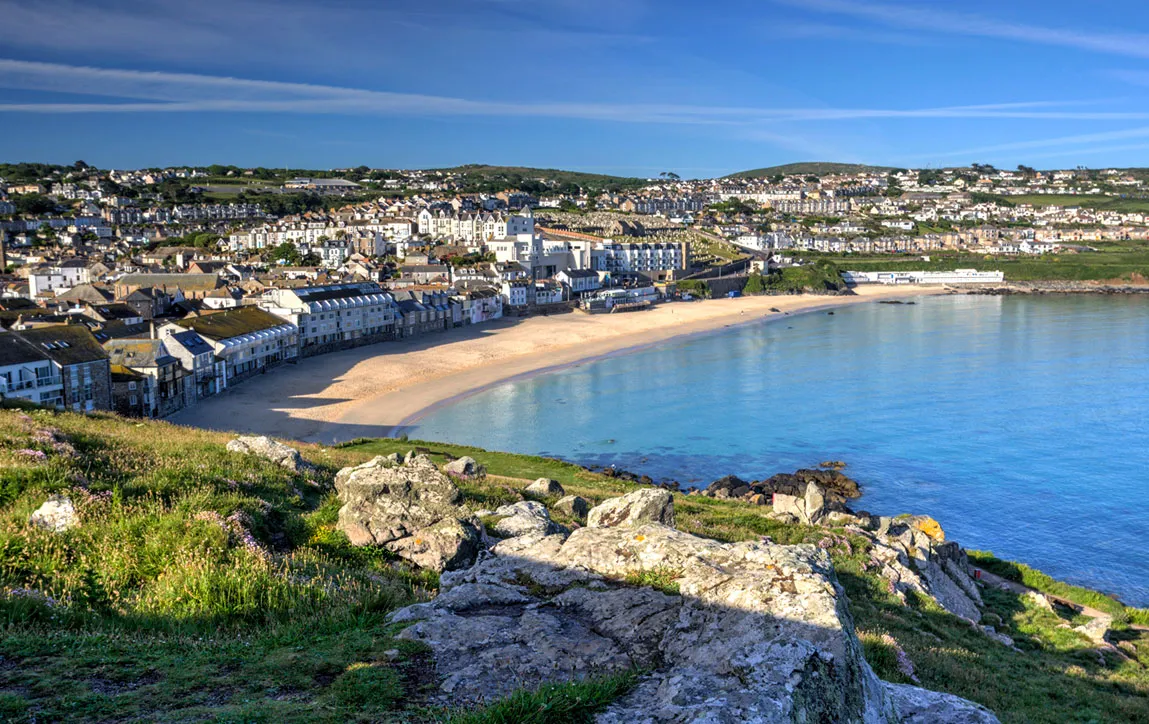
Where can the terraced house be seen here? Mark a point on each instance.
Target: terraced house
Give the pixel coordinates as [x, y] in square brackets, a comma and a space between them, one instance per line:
[78, 375]
[335, 316]
[249, 340]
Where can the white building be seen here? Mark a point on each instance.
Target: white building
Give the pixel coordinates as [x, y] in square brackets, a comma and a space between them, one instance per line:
[27, 373]
[958, 276]
[335, 315]
[59, 278]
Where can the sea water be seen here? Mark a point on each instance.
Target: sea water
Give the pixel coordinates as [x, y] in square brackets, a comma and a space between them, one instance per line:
[1020, 423]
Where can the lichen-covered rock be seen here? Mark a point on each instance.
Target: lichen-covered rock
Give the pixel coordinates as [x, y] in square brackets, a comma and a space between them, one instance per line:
[912, 559]
[648, 505]
[57, 514]
[921, 706]
[760, 632]
[1096, 629]
[411, 509]
[463, 467]
[572, 505]
[262, 446]
[526, 517]
[545, 488]
[379, 461]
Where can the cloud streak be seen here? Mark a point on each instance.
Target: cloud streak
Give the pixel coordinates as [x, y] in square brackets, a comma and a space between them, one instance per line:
[136, 91]
[1134, 45]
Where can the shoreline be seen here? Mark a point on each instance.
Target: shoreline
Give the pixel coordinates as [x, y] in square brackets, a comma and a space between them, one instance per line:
[377, 390]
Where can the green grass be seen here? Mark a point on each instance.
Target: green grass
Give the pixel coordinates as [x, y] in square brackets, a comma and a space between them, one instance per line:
[1125, 265]
[1086, 201]
[158, 609]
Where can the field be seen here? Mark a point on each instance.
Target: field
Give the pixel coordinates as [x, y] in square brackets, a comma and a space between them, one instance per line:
[1098, 202]
[1128, 261]
[813, 168]
[210, 586]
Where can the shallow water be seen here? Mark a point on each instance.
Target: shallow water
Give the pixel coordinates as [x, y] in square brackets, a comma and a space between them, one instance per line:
[1020, 423]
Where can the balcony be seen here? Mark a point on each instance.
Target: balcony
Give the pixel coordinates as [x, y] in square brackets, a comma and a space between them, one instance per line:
[49, 381]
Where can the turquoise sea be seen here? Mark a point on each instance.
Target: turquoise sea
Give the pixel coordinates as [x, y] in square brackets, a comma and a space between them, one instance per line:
[1020, 423]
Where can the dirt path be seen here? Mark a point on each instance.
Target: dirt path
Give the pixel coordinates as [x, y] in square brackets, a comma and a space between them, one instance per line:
[1015, 587]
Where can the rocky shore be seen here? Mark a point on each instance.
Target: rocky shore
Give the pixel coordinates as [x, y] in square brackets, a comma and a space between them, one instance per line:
[722, 633]
[1052, 287]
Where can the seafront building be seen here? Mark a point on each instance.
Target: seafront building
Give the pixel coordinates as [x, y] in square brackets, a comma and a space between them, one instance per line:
[958, 276]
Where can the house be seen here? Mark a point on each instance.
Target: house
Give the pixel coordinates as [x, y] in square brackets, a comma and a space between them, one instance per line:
[190, 286]
[207, 373]
[130, 396]
[81, 361]
[515, 293]
[114, 312]
[249, 340]
[149, 302]
[548, 292]
[424, 273]
[580, 281]
[57, 278]
[420, 313]
[165, 385]
[26, 372]
[335, 316]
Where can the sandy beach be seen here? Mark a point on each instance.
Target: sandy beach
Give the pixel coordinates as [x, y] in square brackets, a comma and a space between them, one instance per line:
[381, 389]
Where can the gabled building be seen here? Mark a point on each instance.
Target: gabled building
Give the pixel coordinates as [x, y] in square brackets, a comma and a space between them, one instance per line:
[26, 372]
[81, 361]
[206, 372]
[165, 386]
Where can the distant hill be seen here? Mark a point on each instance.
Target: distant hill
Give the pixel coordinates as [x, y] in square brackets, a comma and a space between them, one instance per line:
[553, 175]
[809, 168]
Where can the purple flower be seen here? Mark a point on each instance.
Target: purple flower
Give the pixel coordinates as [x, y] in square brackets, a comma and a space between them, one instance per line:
[34, 454]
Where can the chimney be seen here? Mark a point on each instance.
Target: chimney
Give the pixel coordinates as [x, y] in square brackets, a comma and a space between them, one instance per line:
[151, 329]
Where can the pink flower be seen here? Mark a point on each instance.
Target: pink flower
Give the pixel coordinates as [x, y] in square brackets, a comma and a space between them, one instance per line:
[34, 454]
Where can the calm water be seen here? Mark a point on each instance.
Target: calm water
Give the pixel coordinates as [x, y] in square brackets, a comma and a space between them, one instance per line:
[1021, 423]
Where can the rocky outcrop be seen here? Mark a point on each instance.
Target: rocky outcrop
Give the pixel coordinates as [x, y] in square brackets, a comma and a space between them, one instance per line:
[755, 633]
[545, 488]
[836, 487]
[57, 514]
[911, 553]
[809, 509]
[648, 505]
[572, 505]
[411, 509]
[264, 447]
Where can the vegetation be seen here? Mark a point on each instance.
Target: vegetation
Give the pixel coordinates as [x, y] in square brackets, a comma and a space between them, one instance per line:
[207, 585]
[820, 276]
[815, 168]
[1085, 201]
[478, 178]
[1127, 265]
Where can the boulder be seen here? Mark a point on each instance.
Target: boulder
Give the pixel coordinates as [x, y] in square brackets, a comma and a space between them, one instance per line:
[912, 559]
[809, 508]
[545, 488]
[921, 706]
[759, 632]
[379, 461]
[730, 486]
[836, 486]
[1038, 600]
[263, 446]
[57, 514]
[573, 505]
[410, 509]
[648, 505]
[1096, 629]
[463, 467]
[526, 517]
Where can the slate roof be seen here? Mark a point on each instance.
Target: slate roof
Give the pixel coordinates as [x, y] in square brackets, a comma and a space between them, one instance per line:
[65, 344]
[232, 322]
[138, 353]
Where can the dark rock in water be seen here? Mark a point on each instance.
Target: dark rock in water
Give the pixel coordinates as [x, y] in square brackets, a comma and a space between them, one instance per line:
[832, 464]
[891, 301]
[730, 486]
[775, 309]
[830, 313]
[839, 487]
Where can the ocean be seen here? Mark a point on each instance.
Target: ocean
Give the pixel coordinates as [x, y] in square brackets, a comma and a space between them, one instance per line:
[1021, 423]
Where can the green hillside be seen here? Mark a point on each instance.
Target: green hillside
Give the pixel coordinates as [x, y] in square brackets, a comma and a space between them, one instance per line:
[485, 178]
[810, 168]
[204, 585]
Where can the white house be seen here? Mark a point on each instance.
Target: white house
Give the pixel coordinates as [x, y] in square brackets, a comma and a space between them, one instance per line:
[335, 315]
[58, 278]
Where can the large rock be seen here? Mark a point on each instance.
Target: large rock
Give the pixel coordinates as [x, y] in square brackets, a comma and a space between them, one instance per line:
[264, 447]
[57, 514]
[545, 488]
[526, 517]
[411, 509]
[572, 505]
[1096, 629]
[648, 505]
[463, 467]
[759, 632]
[910, 556]
[808, 508]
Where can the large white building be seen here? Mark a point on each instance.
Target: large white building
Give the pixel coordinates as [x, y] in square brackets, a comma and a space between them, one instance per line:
[647, 259]
[335, 315]
[57, 279]
[958, 276]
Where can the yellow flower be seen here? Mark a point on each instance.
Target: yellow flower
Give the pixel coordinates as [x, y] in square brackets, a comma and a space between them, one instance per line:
[640, 537]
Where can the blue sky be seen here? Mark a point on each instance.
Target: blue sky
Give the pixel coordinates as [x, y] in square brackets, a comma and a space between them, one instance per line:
[618, 86]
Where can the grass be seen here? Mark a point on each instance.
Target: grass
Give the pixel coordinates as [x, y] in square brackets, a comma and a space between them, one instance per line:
[1099, 202]
[206, 585]
[1118, 266]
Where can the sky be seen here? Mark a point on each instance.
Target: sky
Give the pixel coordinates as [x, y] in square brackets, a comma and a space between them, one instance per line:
[633, 87]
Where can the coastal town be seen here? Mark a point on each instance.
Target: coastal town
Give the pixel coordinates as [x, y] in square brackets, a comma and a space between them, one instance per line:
[148, 291]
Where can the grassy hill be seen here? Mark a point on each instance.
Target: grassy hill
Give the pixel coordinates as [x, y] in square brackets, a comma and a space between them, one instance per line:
[212, 586]
[515, 176]
[810, 168]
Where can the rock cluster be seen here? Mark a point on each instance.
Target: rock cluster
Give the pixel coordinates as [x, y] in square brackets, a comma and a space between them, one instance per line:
[410, 508]
[262, 446]
[835, 486]
[751, 632]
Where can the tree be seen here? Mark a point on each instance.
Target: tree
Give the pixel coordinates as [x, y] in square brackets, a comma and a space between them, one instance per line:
[33, 204]
[285, 253]
[754, 285]
[45, 235]
[670, 175]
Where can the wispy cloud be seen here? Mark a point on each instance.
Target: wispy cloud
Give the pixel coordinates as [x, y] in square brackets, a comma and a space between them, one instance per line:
[943, 21]
[162, 92]
[801, 30]
[1061, 142]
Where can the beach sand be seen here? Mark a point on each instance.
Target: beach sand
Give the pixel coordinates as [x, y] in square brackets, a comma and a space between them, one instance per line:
[374, 391]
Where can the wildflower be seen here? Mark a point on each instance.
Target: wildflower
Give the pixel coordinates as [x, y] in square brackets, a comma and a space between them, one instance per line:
[34, 454]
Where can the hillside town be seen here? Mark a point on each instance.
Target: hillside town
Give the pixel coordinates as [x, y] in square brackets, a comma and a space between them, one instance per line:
[148, 291]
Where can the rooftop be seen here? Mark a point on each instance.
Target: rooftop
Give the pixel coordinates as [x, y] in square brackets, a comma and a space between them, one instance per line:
[232, 323]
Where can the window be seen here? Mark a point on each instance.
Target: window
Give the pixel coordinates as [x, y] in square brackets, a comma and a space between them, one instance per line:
[132, 386]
